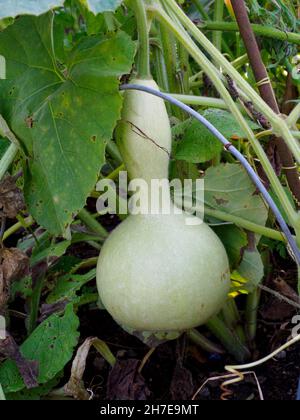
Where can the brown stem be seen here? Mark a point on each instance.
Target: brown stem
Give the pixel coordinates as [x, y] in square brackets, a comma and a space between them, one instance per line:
[267, 92]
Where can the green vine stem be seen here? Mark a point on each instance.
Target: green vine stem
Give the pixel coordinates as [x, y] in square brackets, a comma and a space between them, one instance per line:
[233, 320]
[8, 159]
[169, 52]
[251, 315]
[23, 224]
[279, 126]
[265, 31]
[239, 62]
[92, 223]
[199, 6]
[218, 15]
[294, 116]
[196, 337]
[208, 68]
[228, 338]
[143, 65]
[201, 101]
[267, 93]
[246, 224]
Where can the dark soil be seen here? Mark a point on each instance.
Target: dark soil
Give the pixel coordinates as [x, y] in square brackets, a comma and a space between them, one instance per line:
[169, 376]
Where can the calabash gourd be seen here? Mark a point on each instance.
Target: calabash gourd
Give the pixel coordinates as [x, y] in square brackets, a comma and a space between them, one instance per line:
[156, 273]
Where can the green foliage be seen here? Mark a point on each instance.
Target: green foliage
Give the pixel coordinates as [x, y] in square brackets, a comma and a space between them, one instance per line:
[195, 144]
[68, 286]
[58, 110]
[235, 240]
[51, 344]
[281, 15]
[97, 6]
[27, 7]
[3, 146]
[229, 188]
[34, 394]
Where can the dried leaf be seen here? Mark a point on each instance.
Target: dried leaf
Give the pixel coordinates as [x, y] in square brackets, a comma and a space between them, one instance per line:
[52, 308]
[28, 369]
[11, 198]
[75, 387]
[125, 383]
[14, 264]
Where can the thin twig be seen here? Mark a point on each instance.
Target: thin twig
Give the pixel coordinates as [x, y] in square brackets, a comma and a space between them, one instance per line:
[279, 296]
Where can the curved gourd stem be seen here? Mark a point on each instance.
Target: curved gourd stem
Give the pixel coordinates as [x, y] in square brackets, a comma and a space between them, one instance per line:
[230, 148]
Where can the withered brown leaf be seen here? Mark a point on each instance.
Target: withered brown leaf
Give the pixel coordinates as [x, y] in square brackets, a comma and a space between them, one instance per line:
[14, 264]
[28, 369]
[11, 198]
[126, 383]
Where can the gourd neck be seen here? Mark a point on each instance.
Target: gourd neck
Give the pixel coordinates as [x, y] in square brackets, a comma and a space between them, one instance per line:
[144, 134]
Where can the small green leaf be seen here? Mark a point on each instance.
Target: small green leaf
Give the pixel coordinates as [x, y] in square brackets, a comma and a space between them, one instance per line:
[51, 344]
[14, 8]
[194, 143]
[68, 285]
[251, 269]
[55, 250]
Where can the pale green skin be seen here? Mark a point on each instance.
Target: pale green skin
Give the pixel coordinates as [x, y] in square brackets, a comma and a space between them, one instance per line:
[155, 273]
[145, 126]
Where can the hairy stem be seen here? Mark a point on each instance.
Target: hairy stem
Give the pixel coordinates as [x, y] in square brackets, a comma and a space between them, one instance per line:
[218, 15]
[278, 124]
[265, 31]
[203, 61]
[143, 64]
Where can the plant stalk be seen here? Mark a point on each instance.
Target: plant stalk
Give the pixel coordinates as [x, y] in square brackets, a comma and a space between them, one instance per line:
[143, 64]
[267, 93]
[251, 315]
[279, 125]
[204, 342]
[92, 223]
[260, 30]
[203, 61]
[8, 159]
[218, 15]
[229, 339]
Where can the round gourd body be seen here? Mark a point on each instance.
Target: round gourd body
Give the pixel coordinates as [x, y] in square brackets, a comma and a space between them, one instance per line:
[156, 273]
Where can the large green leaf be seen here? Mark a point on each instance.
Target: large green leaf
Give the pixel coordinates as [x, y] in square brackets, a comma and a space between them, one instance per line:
[228, 188]
[99, 6]
[194, 143]
[14, 8]
[51, 344]
[63, 114]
